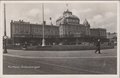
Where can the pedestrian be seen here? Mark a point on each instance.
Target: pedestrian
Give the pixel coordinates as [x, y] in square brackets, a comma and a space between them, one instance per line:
[98, 47]
[25, 46]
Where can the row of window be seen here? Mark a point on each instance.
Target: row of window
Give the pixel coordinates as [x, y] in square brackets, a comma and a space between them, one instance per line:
[20, 30]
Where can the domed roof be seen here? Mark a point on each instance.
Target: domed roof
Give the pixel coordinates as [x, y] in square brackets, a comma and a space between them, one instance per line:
[72, 16]
[67, 15]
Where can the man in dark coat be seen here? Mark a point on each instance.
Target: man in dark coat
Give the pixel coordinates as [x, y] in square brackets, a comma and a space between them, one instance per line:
[98, 47]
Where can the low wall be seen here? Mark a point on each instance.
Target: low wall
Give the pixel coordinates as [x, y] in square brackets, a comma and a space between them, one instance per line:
[69, 47]
[60, 47]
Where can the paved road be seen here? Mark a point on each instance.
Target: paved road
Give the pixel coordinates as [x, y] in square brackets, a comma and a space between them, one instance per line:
[60, 62]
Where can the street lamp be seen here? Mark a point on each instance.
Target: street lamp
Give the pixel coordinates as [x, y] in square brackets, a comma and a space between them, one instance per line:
[4, 45]
[4, 37]
[43, 40]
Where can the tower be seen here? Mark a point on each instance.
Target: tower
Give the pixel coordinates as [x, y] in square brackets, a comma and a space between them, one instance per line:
[87, 25]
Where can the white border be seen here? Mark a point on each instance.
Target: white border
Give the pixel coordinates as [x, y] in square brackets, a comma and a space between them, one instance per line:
[118, 38]
[59, 76]
[59, 1]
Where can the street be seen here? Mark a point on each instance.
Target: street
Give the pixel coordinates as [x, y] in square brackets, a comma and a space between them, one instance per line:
[60, 62]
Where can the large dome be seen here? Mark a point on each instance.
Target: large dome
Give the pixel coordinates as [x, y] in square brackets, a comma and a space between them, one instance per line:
[68, 14]
[68, 18]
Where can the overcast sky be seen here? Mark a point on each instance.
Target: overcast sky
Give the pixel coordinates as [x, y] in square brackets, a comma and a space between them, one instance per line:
[99, 15]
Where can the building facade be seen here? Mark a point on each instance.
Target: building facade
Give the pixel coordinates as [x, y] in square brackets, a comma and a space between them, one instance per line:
[20, 28]
[25, 29]
[67, 30]
[22, 32]
[98, 32]
[112, 37]
[69, 25]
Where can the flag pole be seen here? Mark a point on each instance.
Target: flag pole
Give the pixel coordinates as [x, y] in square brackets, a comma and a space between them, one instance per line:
[43, 40]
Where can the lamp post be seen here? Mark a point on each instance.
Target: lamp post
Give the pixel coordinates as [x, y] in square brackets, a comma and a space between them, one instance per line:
[51, 20]
[43, 40]
[4, 37]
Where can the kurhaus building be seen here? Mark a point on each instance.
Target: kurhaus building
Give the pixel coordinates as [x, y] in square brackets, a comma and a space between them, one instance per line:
[68, 30]
[69, 25]
[32, 33]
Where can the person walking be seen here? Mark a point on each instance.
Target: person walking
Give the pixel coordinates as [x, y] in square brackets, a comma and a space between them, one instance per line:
[25, 46]
[98, 47]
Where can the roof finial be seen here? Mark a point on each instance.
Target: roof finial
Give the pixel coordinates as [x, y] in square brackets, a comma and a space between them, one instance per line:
[86, 22]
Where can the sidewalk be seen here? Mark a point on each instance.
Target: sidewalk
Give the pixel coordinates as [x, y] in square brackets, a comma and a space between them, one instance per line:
[63, 54]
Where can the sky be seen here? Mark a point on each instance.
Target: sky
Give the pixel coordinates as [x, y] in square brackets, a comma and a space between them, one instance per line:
[98, 14]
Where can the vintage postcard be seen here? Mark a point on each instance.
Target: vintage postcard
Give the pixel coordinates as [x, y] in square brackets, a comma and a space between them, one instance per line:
[59, 39]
